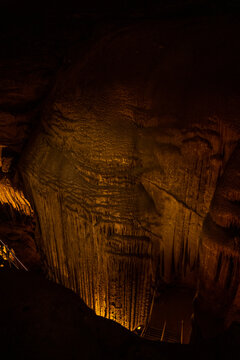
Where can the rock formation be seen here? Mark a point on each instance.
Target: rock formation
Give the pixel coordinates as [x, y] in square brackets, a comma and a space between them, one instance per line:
[133, 173]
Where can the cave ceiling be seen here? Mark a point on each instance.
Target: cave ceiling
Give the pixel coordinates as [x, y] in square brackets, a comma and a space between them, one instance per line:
[120, 154]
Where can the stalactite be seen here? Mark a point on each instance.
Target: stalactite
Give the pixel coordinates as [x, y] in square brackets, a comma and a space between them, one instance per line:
[99, 266]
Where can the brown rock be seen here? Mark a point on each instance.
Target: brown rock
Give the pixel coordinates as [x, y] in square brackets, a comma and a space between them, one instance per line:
[135, 138]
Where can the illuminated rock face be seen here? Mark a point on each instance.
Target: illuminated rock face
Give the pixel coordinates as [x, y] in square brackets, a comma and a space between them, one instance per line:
[220, 260]
[123, 171]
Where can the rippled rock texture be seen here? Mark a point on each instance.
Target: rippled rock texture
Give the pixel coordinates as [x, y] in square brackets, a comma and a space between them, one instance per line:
[134, 171]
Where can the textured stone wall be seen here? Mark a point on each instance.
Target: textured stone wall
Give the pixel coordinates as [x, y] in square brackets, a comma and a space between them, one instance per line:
[220, 261]
[134, 140]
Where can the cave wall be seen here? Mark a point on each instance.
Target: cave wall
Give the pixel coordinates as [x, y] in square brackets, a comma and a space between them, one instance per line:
[122, 173]
[220, 263]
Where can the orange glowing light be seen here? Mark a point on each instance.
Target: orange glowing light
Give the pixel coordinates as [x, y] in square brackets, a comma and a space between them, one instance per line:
[14, 197]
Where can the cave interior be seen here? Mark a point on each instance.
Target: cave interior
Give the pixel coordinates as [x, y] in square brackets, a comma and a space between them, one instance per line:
[120, 179]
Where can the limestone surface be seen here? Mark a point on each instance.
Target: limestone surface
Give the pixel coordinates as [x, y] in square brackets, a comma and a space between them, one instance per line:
[137, 142]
